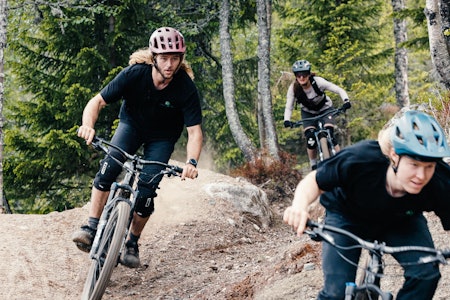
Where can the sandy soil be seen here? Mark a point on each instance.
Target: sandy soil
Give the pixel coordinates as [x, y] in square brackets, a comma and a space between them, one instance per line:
[193, 247]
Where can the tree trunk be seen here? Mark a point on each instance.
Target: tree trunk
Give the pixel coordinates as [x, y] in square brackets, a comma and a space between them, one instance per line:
[401, 55]
[3, 25]
[437, 13]
[241, 139]
[270, 140]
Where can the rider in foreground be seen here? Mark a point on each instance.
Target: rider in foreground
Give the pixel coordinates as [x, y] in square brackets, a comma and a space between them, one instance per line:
[309, 91]
[378, 191]
[159, 99]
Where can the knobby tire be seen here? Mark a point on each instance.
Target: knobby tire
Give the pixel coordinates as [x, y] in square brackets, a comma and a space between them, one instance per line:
[108, 253]
[367, 295]
[326, 152]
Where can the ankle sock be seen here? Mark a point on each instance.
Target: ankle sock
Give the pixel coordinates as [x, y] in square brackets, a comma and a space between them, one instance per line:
[93, 222]
[133, 238]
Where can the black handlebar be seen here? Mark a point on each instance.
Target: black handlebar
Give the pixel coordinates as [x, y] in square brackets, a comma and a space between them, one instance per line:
[333, 112]
[318, 233]
[99, 144]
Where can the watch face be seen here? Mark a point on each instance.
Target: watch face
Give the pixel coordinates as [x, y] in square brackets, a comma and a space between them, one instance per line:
[193, 162]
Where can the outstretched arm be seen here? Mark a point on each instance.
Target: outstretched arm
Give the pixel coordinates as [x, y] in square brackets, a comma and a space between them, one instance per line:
[193, 149]
[90, 116]
[329, 86]
[290, 102]
[306, 193]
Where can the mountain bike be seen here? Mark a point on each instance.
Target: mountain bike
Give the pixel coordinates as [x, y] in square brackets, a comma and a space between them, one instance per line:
[369, 286]
[114, 223]
[322, 135]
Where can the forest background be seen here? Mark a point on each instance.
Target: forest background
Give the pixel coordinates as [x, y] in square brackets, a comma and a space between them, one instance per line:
[61, 53]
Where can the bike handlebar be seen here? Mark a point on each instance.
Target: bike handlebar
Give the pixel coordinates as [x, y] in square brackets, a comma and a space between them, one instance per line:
[333, 112]
[99, 144]
[317, 233]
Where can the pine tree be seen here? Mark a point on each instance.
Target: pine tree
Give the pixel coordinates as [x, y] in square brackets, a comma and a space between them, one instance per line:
[61, 58]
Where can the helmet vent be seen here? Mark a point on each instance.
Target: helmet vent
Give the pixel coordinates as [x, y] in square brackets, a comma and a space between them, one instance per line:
[167, 40]
[419, 135]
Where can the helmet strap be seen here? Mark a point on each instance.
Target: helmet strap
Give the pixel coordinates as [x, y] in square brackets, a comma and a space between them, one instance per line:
[155, 64]
[395, 167]
[306, 84]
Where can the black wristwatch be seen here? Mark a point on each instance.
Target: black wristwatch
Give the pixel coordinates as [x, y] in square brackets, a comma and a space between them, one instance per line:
[192, 162]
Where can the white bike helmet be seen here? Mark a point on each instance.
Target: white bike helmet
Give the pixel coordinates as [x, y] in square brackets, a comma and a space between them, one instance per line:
[301, 66]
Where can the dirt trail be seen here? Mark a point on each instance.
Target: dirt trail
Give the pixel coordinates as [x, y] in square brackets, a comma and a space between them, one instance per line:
[194, 247]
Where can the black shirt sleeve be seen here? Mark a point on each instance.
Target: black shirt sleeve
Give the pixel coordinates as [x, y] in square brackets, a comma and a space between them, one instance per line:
[441, 182]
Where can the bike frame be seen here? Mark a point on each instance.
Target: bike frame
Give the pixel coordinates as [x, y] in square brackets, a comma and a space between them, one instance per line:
[116, 217]
[123, 191]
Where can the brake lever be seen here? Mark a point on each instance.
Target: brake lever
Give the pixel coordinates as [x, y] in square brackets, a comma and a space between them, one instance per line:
[313, 235]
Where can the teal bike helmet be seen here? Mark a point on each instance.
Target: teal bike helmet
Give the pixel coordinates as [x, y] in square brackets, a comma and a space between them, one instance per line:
[301, 66]
[420, 137]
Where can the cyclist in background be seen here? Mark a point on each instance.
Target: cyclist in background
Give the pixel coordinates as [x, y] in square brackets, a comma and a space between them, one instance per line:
[159, 99]
[378, 191]
[308, 90]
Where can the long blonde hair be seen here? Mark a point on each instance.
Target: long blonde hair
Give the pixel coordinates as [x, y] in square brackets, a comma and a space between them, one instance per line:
[144, 56]
[384, 140]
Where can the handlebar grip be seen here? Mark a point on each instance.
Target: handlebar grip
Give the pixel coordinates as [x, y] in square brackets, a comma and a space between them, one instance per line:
[96, 142]
[311, 223]
[178, 169]
[446, 253]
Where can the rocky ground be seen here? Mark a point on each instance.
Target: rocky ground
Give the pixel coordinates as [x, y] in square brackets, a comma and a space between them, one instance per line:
[194, 247]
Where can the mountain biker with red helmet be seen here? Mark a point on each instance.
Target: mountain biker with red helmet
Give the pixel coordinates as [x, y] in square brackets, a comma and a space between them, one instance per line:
[159, 99]
[308, 90]
[379, 190]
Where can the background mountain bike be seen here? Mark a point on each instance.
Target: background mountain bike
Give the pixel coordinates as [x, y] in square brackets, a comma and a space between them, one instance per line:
[322, 135]
[116, 218]
[369, 286]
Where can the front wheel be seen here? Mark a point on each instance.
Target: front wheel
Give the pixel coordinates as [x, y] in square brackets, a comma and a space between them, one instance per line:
[371, 277]
[324, 146]
[107, 255]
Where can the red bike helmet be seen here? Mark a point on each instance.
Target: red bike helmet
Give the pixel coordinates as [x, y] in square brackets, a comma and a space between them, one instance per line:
[167, 40]
[419, 136]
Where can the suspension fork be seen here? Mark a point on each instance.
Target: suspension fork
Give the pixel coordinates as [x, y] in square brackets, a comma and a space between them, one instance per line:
[117, 190]
[319, 134]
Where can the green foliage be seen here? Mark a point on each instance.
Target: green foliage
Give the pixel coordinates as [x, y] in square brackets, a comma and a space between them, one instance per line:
[63, 54]
[208, 80]
[341, 40]
[60, 60]
[60, 54]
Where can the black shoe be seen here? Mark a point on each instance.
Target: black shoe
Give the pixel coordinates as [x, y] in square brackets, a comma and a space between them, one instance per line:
[314, 167]
[84, 237]
[130, 258]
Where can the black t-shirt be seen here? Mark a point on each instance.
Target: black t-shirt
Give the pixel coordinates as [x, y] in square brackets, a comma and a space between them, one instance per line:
[156, 113]
[355, 185]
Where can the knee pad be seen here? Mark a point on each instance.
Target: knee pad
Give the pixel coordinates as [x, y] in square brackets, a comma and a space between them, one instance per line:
[109, 170]
[145, 205]
[310, 139]
[333, 137]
